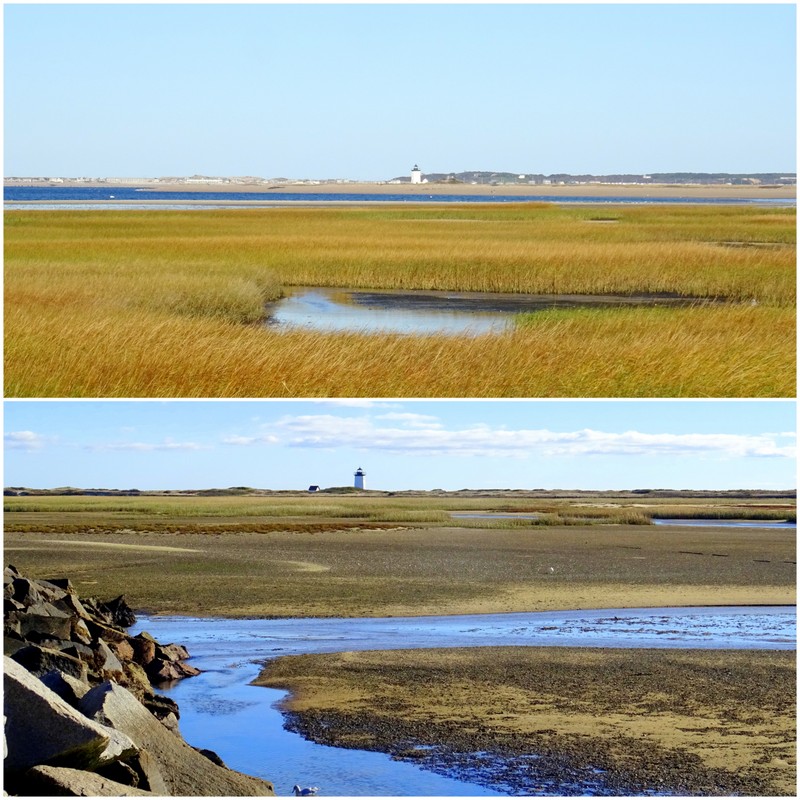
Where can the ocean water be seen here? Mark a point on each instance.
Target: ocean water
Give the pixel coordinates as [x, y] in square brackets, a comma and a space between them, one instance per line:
[18, 196]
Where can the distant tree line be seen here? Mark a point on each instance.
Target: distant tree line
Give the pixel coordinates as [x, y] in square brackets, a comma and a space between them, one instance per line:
[565, 177]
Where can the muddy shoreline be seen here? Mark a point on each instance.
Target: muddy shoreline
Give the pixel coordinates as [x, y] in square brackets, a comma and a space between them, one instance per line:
[559, 720]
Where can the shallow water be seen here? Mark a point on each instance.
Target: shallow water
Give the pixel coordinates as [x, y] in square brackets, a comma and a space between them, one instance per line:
[698, 523]
[22, 196]
[425, 312]
[728, 523]
[219, 710]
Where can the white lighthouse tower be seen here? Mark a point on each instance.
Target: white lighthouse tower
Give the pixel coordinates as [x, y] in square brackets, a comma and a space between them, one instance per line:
[416, 175]
[359, 478]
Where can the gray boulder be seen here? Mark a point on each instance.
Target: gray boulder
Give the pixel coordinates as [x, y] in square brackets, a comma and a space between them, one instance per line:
[42, 728]
[165, 672]
[144, 648]
[46, 781]
[139, 771]
[41, 660]
[105, 662]
[65, 686]
[42, 619]
[185, 771]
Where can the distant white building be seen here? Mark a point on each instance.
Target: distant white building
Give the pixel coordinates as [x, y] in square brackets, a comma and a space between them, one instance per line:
[359, 478]
[416, 175]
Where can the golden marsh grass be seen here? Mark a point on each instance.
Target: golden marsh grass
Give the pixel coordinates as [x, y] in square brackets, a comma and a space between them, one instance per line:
[164, 303]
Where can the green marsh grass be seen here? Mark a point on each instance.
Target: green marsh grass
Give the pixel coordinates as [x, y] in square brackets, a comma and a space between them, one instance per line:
[81, 514]
[145, 304]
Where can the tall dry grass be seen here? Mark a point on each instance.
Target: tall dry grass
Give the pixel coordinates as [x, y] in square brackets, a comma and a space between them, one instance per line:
[691, 352]
[148, 304]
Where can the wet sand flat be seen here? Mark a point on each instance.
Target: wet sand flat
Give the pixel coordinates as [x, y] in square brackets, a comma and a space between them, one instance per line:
[685, 721]
[248, 568]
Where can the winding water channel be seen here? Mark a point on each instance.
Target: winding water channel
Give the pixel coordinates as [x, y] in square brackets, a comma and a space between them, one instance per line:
[221, 711]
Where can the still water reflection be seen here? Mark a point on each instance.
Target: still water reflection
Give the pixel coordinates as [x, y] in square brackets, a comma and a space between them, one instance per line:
[428, 312]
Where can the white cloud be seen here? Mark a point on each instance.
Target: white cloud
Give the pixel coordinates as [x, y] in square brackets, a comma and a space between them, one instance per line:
[148, 447]
[25, 440]
[424, 435]
[412, 420]
[248, 440]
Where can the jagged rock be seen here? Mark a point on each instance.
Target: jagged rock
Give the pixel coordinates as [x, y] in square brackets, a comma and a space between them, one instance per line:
[62, 583]
[72, 602]
[122, 650]
[39, 620]
[51, 591]
[165, 710]
[46, 781]
[40, 660]
[159, 705]
[121, 613]
[150, 777]
[121, 772]
[65, 686]
[10, 604]
[136, 680]
[161, 671]
[12, 643]
[78, 650]
[101, 630]
[80, 631]
[172, 652]
[44, 729]
[185, 771]
[144, 648]
[211, 756]
[25, 591]
[105, 662]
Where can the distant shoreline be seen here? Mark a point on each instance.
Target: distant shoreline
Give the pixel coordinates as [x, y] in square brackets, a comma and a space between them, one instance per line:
[443, 189]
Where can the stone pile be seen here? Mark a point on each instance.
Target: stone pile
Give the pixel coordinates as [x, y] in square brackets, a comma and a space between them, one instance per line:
[81, 716]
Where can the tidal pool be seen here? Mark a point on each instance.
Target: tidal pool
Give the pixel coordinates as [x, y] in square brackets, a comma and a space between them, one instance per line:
[221, 711]
[728, 523]
[427, 312]
[694, 522]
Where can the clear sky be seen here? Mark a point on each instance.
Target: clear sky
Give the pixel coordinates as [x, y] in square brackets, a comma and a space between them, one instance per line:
[276, 444]
[364, 91]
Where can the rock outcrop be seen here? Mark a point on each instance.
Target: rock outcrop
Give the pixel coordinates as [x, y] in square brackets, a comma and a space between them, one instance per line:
[82, 718]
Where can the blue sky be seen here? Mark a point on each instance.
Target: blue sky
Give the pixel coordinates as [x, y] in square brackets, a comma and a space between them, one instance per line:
[365, 90]
[411, 444]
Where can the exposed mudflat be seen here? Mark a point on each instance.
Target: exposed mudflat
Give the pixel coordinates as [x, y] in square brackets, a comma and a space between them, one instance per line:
[404, 572]
[560, 720]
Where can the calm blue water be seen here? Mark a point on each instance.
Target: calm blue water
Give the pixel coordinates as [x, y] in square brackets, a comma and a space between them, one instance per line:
[36, 194]
[728, 523]
[243, 723]
[694, 523]
[432, 312]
